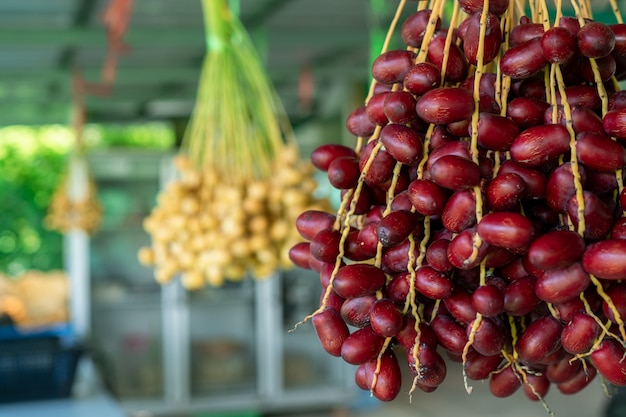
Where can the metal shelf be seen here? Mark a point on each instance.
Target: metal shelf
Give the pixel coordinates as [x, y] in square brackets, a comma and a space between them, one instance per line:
[175, 342]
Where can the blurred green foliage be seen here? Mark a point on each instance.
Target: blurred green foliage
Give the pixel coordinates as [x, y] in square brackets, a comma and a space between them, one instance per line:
[32, 160]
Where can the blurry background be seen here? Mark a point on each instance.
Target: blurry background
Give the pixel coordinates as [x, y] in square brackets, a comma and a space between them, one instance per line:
[167, 352]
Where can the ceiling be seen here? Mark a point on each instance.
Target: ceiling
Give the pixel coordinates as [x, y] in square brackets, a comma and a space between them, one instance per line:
[42, 41]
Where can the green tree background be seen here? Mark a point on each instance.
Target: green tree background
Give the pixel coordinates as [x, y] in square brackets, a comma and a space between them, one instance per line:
[32, 161]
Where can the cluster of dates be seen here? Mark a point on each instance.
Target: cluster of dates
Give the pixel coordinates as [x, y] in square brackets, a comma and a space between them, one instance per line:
[483, 217]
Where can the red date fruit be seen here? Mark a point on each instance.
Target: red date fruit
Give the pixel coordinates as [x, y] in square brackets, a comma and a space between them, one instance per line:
[403, 143]
[580, 333]
[414, 27]
[519, 296]
[396, 258]
[598, 218]
[595, 40]
[527, 111]
[375, 108]
[541, 338]
[505, 191]
[563, 369]
[583, 119]
[479, 367]
[422, 77]
[445, 105]
[556, 249]
[398, 288]
[408, 336]
[455, 173]
[399, 107]
[395, 227]
[437, 255]
[614, 123]
[432, 368]
[459, 305]
[606, 259]
[389, 379]
[356, 311]
[325, 245]
[324, 154]
[581, 95]
[359, 124]
[461, 250]
[391, 66]
[599, 152]
[381, 168]
[558, 45]
[608, 359]
[495, 132]
[385, 318]
[524, 60]
[489, 339]
[496, 7]
[457, 65]
[562, 285]
[606, 69]
[459, 212]
[427, 197]
[537, 386]
[504, 383]
[535, 181]
[450, 334]
[331, 330]
[488, 300]
[617, 294]
[344, 173]
[300, 255]
[524, 32]
[561, 187]
[576, 384]
[539, 144]
[506, 229]
[491, 40]
[361, 346]
[356, 280]
[432, 283]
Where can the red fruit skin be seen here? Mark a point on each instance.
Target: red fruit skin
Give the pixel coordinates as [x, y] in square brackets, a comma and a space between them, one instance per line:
[541, 338]
[445, 105]
[524, 60]
[309, 222]
[506, 229]
[331, 330]
[504, 383]
[389, 381]
[537, 145]
[607, 358]
[606, 259]
[556, 249]
[561, 285]
[356, 280]
[579, 334]
[324, 154]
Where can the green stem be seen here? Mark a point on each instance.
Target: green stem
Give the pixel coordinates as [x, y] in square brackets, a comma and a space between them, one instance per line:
[217, 21]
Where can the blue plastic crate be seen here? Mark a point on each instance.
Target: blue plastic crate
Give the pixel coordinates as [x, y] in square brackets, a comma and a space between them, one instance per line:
[37, 365]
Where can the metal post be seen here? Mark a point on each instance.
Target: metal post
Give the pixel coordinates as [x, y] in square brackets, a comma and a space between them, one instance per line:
[269, 337]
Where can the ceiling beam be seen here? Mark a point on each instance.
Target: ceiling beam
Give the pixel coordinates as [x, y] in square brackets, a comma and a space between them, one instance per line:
[176, 36]
[176, 75]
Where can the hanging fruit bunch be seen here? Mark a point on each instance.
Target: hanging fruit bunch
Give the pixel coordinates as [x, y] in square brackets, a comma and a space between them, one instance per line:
[74, 204]
[483, 205]
[241, 183]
